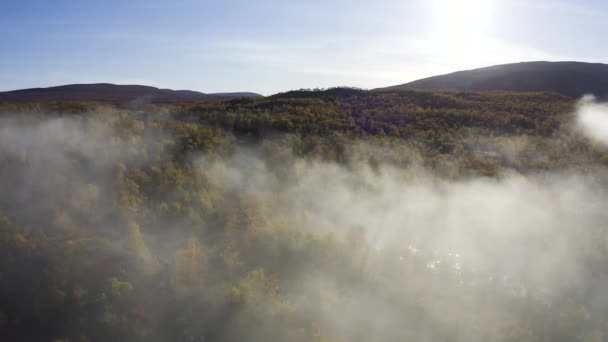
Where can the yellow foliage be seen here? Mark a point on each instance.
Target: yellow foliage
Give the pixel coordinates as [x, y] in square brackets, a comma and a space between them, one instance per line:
[79, 294]
[136, 241]
[21, 239]
[107, 316]
[234, 294]
[92, 193]
[119, 288]
[190, 262]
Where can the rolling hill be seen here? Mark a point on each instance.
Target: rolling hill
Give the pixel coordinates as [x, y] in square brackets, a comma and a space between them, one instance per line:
[573, 79]
[105, 92]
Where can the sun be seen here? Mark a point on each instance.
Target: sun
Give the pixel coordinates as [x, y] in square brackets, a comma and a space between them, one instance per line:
[461, 31]
[462, 17]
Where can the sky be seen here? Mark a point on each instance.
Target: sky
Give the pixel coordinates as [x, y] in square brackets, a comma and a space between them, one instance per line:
[269, 46]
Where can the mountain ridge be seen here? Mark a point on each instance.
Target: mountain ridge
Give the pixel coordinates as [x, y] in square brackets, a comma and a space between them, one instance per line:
[109, 92]
[569, 78]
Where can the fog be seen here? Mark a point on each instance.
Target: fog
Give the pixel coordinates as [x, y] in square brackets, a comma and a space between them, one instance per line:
[593, 119]
[522, 233]
[428, 255]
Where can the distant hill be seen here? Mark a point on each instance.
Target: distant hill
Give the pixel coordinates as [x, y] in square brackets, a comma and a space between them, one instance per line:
[335, 92]
[105, 92]
[573, 79]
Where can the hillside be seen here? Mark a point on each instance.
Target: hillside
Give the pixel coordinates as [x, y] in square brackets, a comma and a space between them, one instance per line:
[573, 79]
[105, 92]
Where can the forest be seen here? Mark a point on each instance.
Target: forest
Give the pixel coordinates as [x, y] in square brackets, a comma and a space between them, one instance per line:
[313, 215]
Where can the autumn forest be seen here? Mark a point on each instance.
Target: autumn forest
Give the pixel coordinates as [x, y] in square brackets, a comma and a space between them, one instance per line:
[314, 215]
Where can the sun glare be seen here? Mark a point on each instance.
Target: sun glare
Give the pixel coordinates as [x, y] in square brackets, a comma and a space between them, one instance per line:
[461, 29]
[462, 17]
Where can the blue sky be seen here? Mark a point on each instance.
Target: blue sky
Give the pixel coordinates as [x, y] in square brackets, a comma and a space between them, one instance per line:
[269, 46]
